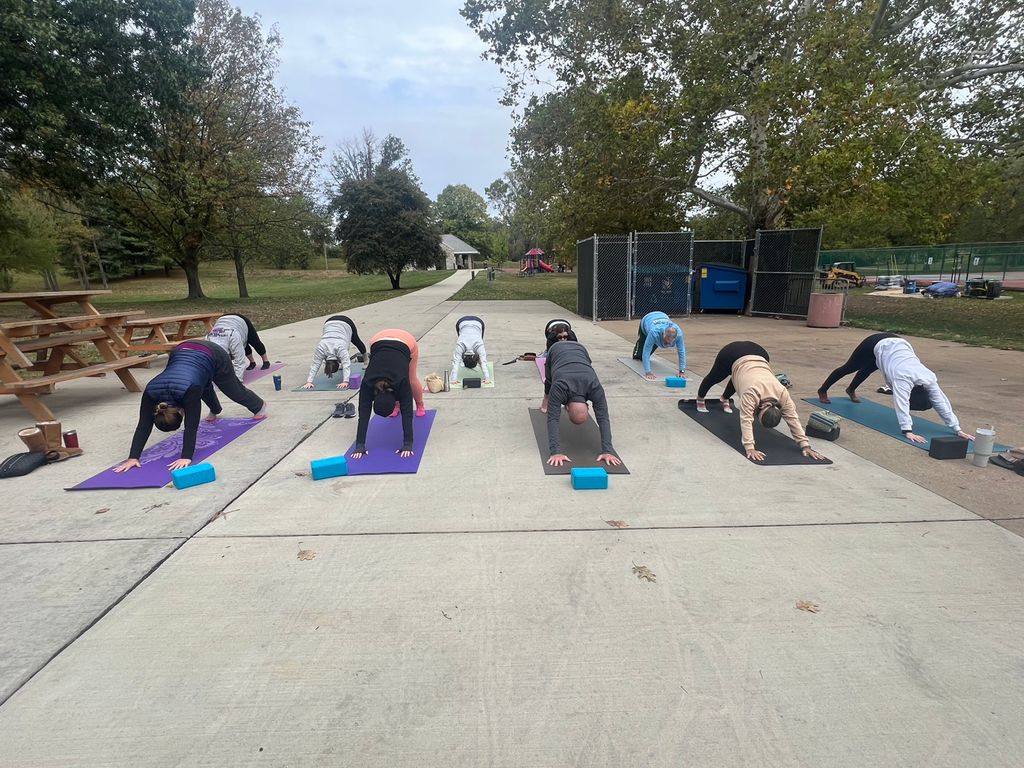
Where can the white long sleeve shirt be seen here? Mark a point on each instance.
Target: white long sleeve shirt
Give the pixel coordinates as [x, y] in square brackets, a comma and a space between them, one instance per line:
[903, 371]
[335, 342]
[230, 332]
[471, 339]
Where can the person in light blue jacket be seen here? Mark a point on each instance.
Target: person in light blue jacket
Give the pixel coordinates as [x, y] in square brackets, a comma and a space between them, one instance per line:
[658, 330]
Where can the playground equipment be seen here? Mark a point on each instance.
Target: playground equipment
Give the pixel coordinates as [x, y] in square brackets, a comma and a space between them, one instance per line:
[532, 263]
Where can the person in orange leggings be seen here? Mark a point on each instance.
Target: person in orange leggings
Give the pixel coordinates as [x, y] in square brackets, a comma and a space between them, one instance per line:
[390, 385]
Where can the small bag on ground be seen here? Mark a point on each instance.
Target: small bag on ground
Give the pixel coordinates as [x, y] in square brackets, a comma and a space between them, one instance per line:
[434, 383]
[823, 425]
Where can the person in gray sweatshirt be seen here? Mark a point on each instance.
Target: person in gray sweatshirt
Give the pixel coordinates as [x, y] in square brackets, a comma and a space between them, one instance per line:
[332, 351]
[238, 337]
[570, 380]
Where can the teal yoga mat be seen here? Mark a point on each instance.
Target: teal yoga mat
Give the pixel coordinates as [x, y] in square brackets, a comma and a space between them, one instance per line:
[882, 418]
[471, 374]
[323, 384]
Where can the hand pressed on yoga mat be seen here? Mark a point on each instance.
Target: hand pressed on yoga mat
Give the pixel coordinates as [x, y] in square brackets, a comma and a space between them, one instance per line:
[610, 459]
[360, 454]
[130, 464]
[179, 464]
[558, 459]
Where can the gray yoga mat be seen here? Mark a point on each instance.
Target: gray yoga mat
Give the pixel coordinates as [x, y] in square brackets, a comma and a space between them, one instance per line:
[659, 368]
[580, 443]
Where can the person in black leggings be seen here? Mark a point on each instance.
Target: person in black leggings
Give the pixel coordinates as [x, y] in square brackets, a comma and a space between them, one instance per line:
[253, 342]
[722, 369]
[177, 394]
[862, 363]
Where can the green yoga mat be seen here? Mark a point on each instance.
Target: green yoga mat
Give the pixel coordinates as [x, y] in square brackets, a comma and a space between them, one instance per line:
[882, 418]
[469, 373]
[323, 384]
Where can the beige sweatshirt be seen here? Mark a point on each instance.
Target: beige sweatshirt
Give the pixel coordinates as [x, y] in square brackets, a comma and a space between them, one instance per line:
[754, 381]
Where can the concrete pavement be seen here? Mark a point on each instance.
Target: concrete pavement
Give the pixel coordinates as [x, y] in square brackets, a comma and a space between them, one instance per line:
[480, 613]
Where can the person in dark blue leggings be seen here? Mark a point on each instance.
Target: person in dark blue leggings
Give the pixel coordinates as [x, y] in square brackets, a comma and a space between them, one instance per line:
[177, 395]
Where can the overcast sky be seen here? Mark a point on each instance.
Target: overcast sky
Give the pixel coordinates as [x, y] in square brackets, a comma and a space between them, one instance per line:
[407, 67]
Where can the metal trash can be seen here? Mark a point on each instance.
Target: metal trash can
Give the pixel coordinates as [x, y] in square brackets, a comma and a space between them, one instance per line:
[825, 310]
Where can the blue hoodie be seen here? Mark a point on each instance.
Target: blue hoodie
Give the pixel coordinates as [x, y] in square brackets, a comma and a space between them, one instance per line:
[655, 324]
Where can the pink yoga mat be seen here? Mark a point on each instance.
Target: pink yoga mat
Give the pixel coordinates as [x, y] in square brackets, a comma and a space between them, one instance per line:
[257, 373]
[154, 472]
[541, 365]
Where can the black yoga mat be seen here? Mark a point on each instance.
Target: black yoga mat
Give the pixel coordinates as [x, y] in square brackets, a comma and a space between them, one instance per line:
[779, 449]
[581, 443]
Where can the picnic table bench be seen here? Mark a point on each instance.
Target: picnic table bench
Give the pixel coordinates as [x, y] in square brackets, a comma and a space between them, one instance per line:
[57, 347]
[157, 339]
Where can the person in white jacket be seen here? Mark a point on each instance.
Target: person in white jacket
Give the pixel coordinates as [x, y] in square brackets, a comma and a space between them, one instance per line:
[332, 351]
[238, 337]
[469, 349]
[914, 387]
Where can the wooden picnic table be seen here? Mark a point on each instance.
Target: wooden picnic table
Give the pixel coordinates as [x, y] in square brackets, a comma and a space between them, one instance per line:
[157, 338]
[56, 346]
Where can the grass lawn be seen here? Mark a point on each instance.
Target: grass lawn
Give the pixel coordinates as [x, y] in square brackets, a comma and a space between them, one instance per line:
[554, 287]
[276, 296]
[977, 322]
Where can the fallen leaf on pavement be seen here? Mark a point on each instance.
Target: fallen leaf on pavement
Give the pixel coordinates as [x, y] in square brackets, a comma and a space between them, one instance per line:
[101, 510]
[306, 554]
[643, 572]
[806, 605]
[617, 523]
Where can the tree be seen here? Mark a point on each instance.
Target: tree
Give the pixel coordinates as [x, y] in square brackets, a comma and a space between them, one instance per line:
[747, 108]
[34, 236]
[463, 213]
[81, 82]
[234, 144]
[386, 224]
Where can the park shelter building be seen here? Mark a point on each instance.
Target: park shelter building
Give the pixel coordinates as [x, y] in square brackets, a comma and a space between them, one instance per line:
[457, 253]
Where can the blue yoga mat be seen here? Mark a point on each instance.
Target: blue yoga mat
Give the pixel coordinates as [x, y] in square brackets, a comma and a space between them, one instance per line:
[882, 418]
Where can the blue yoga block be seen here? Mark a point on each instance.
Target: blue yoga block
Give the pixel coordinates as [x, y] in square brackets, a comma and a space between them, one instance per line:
[589, 478]
[197, 474]
[675, 381]
[335, 466]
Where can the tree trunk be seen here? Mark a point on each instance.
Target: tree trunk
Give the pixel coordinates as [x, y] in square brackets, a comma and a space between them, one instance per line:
[191, 266]
[99, 263]
[243, 289]
[83, 270]
[395, 279]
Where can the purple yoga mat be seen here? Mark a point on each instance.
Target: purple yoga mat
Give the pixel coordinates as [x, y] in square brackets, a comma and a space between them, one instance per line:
[383, 438]
[154, 472]
[541, 363]
[257, 373]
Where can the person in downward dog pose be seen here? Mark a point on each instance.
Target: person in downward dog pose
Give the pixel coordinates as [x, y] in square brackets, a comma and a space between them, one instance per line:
[469, 349]
[390, 386]
[238, 336]
[762, 395]
[658, 330]
[914, 387]
[177, 395]
[558, 330]
[332, 351]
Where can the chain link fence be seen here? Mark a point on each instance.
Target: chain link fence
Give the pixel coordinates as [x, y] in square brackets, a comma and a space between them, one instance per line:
[784, 270]
[620, 277]
[955, 262]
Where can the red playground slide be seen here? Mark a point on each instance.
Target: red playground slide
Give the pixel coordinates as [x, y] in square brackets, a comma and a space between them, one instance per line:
[545, 266]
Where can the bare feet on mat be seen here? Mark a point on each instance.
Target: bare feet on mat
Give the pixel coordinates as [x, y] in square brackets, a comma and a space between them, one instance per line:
[260, 414]
[853, 395]
[398, 410]
[823, 397]
[211, 417]
[421, 411]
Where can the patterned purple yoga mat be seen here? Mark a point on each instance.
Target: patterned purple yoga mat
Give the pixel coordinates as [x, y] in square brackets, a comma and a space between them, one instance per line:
[257, 373]
[154, 472]
[383, 438]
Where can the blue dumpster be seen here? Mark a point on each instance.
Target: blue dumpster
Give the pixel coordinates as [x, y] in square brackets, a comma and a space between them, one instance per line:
[722, 286]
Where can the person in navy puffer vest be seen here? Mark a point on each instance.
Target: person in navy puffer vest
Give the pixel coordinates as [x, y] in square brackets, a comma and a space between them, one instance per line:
[177, 395]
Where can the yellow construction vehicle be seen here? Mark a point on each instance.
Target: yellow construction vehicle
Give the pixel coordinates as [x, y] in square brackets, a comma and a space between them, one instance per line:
[842, 274]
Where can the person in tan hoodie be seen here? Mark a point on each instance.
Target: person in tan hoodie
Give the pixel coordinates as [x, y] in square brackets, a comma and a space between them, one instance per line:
[746, 365]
